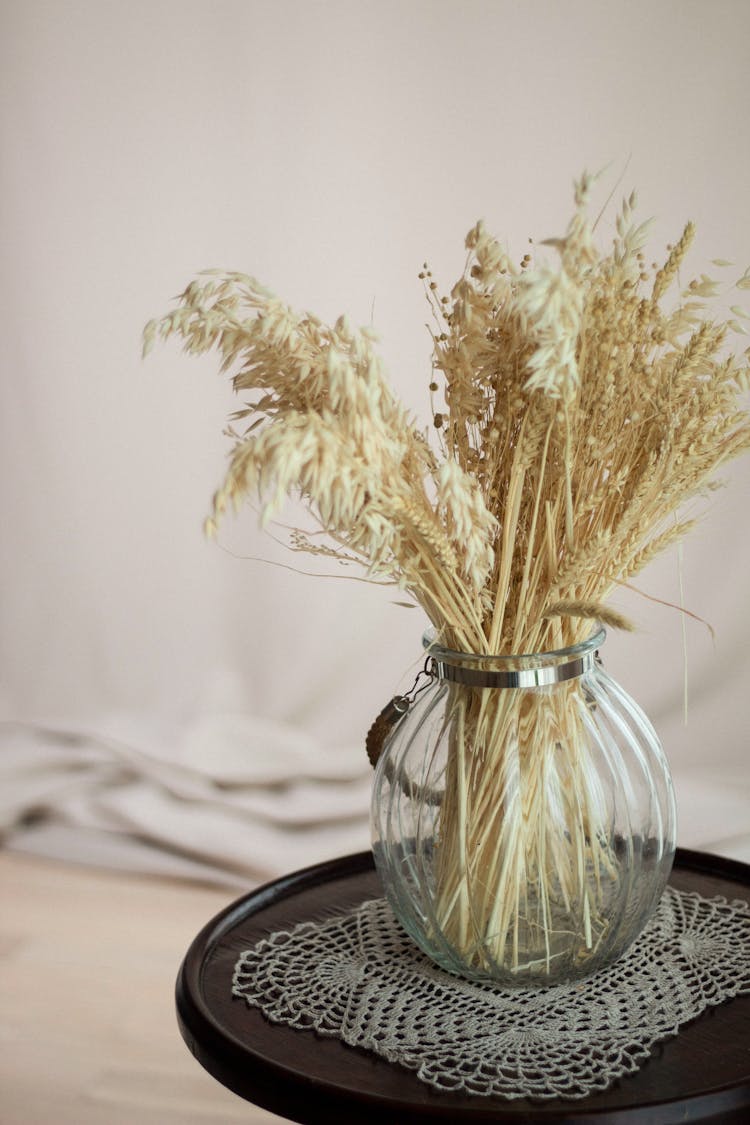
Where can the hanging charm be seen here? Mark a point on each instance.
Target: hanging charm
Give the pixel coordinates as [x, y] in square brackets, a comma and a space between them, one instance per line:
[392, 714]
[389, 717]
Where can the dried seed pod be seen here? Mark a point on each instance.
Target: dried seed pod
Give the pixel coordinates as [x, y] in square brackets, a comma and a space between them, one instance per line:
[389, 717]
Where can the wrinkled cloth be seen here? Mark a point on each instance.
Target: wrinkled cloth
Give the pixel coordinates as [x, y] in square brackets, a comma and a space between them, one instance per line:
[231, 799]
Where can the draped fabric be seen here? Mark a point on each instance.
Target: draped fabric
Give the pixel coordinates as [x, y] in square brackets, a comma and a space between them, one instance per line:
[327, 148]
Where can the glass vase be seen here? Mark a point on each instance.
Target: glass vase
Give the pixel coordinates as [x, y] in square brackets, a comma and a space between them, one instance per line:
[523, 815]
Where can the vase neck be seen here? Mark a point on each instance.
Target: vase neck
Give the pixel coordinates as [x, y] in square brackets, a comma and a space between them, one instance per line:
[540, 676]
[522, 670]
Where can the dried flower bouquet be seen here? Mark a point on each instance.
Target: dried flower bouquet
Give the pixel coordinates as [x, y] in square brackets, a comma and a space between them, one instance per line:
[576, 407]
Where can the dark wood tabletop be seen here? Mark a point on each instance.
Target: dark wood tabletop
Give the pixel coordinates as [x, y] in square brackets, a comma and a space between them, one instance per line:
[701, 1075]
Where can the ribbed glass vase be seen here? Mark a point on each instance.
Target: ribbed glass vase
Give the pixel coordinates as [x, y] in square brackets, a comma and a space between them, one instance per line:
[523, 815]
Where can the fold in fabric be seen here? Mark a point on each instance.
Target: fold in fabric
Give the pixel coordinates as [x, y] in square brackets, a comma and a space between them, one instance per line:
[230, 800]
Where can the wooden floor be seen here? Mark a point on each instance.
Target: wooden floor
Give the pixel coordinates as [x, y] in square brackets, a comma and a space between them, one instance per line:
[87, 1026]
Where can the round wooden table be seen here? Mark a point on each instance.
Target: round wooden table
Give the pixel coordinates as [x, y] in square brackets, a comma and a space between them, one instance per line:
[702, 1075]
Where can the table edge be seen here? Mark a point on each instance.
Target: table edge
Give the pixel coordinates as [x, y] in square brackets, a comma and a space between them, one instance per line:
[334, 1099]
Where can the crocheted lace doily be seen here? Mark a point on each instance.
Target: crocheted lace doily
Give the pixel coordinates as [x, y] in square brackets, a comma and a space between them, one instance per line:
[359, 978]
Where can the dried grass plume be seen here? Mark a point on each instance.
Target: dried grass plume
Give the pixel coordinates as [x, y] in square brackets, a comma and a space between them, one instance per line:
[578, 402]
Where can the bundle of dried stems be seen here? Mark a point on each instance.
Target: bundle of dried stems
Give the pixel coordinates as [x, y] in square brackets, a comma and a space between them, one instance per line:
[576, 407]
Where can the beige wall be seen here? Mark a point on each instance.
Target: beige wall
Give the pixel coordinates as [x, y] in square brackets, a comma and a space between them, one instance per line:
[328, 148]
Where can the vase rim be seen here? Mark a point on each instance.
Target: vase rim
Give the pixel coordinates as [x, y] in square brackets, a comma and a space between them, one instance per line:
[514, 661]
